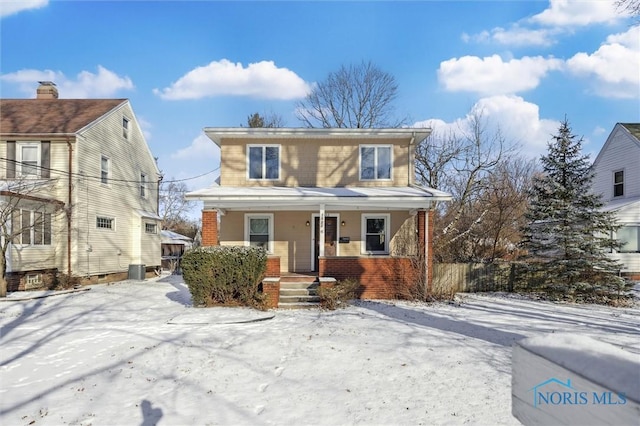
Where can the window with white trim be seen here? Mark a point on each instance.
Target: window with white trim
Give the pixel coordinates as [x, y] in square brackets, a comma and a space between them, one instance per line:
[143, 185]
[150, 228]
[104, 222]
[105, 168]
[258, 229]
[375, 233]
[31, 227]
[375, 162]
[618, 183]
[263, 162]
[125, 127]
[629, 236]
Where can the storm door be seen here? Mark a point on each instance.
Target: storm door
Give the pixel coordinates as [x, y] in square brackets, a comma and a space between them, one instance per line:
[330, 238]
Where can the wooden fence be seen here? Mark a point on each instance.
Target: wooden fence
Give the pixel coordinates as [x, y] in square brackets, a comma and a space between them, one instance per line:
[450, 278]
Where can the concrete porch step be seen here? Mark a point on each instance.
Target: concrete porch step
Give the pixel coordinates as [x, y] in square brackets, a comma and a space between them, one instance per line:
[298, 294]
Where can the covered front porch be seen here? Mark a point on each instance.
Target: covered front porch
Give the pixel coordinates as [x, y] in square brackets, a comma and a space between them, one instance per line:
[373, 235]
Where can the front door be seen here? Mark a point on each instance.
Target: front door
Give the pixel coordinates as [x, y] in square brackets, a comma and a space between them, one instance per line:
[330, 238]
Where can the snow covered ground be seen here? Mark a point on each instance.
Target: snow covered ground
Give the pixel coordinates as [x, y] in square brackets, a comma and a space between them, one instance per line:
[134, 353]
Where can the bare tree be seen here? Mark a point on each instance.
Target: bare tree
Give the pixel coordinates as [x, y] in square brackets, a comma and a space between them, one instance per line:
[27, 218]
[632, 7]
[355, 96]
[460, 163]
[174, 207]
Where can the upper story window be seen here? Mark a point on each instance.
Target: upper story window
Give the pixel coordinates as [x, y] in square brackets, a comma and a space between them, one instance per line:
[259, 231]
[375, 162]
[618, 183]
[105, 167]
[31, 227]
[28, 159]
[143, 185]
[125, 127]
[375, 233]
[264, 162]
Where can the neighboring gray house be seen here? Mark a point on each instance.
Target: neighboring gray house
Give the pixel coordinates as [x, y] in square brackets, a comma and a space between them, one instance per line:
[92, 207]
[617, 170]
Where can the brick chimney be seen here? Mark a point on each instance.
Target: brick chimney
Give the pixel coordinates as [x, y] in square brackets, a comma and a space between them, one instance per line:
[47, 90]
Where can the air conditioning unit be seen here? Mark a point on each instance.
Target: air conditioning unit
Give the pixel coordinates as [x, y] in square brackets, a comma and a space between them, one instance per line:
[137, 272]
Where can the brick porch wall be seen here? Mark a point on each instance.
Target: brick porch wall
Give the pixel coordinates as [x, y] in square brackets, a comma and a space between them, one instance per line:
[273, 266]
[381, 277]
[209, 228]
[17, 281]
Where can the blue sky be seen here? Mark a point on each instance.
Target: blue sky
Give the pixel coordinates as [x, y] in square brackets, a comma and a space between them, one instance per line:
[188, 65]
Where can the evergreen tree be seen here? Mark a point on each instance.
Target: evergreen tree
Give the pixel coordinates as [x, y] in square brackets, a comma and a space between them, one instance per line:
[568, 235]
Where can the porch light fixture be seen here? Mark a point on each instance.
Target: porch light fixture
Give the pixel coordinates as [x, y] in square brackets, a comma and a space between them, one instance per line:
[342, 223]
[308, 223]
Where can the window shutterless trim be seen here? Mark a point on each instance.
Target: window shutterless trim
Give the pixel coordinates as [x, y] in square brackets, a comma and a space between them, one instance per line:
[263, 162]
[375, 162]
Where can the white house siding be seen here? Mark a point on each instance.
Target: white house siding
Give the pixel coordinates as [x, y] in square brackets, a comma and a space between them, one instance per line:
[629, 215]
[103, 251]
[620, 152]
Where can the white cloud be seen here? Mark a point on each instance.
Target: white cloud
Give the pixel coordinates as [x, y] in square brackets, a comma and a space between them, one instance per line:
[519, 123]
[104, 84]
[491, 75]
[514, 36]
[193, 163]
[614, 69]
[259, 80]
[577, 13]
[11, 7]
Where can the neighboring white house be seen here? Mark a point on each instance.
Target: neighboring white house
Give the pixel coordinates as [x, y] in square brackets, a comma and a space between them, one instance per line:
[93, 212]
[617, 170]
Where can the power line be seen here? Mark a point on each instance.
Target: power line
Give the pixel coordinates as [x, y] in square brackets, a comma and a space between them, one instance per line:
[99, 178]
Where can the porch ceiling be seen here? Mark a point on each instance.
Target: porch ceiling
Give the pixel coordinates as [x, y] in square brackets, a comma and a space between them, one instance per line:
[307, 198]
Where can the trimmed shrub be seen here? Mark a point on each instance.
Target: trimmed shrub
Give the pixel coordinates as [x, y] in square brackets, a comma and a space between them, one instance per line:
[225, 275]
[336, 296]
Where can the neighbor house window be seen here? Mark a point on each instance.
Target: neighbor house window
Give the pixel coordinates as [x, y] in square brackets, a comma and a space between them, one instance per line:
[264, 162]
[375, 233]
[375, 162]
[105, 166]
[629, 236]
[259, 231]
[150, 228]
[125, 127]
[28, 159]
[31, 227]
[618, 183]
[143, 185]
[103, 222]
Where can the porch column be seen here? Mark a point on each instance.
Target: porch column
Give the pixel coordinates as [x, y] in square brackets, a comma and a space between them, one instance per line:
[209, 228]
[321, 232]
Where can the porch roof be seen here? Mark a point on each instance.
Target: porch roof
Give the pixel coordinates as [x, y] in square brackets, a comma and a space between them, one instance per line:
[311, 198]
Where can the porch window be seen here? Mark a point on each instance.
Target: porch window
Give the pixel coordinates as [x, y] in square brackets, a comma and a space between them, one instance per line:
[629, 236]
[375, 162]
[259, 231]
[264, 162]
[31, 227]
[618, 183]
[375, 233]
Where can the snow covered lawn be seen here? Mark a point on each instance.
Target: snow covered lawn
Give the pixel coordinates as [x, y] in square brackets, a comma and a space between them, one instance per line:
[138, 353]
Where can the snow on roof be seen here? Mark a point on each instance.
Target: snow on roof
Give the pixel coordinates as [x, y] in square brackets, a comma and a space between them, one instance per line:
[618, 204]
[170, 237]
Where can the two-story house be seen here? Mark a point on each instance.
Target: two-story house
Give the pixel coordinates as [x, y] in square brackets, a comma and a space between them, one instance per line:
[336, 203]
[617, 178]
[79, 190]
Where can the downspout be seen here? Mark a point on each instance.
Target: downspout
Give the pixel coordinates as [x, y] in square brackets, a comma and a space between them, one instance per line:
[69, 199]
[410, 170]
[426, 250]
